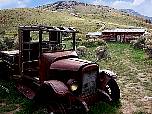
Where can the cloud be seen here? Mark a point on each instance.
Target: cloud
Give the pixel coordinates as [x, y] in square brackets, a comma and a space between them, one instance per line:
[119, 4]
[13, 3]
[145, 8]
[122, 5]
[98, 2]
[138, 2]
[22, 3]
[141, 6]
[1, 1]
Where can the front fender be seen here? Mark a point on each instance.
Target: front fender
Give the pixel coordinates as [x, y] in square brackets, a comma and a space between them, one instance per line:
[109, 73]
[104, 77]
[51, 91]
[59, 88]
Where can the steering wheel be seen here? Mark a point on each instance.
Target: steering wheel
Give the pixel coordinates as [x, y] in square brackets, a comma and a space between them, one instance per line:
[61, 46]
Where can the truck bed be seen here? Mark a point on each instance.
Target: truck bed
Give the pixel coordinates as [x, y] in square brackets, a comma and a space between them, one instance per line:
[13, 52]
[10, 59]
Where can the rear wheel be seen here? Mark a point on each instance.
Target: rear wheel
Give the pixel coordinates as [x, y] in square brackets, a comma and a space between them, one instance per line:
[113, 90]
[5, 71]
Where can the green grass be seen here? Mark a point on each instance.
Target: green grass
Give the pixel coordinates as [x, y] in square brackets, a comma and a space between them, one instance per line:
[134, 75]
[104, 108]
[12, 99]
[134, 79]
[7, 108]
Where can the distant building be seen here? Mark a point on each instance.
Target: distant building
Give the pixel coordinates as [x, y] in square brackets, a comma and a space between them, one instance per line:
[122, 35]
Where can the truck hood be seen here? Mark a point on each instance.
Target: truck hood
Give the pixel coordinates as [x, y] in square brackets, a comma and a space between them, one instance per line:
[52, 57]
[72, 64]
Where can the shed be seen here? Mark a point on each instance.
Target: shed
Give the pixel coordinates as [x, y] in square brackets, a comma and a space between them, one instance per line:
[122, 35]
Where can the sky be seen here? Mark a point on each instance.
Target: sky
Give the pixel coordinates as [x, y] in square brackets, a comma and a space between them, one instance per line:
[142, 6]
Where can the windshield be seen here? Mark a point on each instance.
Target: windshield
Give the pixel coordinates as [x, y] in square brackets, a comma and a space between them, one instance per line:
[53, 41]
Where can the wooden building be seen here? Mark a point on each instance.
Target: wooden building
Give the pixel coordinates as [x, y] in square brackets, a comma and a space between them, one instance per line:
[122, 35]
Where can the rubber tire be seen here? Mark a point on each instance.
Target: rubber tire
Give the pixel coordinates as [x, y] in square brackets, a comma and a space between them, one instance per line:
[5, 72]
[115, 91]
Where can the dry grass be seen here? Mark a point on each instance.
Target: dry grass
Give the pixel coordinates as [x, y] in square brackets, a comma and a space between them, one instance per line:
[90, 18]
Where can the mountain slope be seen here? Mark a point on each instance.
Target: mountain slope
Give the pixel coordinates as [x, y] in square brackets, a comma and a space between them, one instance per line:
[62, 5]
[84, 17]
[132, 12]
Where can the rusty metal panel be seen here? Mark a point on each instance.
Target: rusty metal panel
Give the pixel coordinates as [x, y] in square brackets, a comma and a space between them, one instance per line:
[59, 87]
[71, 64]
[46, 59]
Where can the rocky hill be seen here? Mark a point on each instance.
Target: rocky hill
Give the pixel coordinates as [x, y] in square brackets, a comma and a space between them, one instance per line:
[62, 5]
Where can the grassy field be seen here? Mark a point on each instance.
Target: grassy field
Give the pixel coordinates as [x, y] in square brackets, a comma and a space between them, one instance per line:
[134, 72]
[90, 19]
[134, 77]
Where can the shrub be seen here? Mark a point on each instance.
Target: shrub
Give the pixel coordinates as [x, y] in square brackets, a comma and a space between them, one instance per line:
[81, 50]
[3, 46]
[16, 43]
[102, 52]
[148, 47]
[9, 42]
[6, 43]
[139, 43]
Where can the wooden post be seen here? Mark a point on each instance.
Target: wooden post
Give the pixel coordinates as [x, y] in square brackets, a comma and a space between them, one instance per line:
[40, 42]
[124, 40]
[20, 34]
[120, 37]
[74, 41]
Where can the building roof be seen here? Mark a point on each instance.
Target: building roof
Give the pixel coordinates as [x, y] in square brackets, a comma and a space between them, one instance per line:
[125, 30]
[48, 28]
[94, 34]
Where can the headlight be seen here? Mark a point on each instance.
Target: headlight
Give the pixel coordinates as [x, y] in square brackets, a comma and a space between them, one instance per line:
[74, 87]
[73, 84]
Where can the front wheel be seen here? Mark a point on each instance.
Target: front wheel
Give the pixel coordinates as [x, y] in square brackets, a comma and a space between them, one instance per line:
[56, 108]
[113, 90]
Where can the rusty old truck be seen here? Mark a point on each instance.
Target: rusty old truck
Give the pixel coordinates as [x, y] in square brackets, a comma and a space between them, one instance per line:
[47, 70]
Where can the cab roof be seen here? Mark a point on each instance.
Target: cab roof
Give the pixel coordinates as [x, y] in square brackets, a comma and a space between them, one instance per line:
[49, 28]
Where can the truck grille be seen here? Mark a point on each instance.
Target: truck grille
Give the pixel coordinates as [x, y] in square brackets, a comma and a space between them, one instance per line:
[89, 83]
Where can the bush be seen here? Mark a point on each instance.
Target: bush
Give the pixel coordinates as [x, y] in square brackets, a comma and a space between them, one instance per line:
[102, 52]
[93, 43]
[81, 50]
[6, 43]
[16, 43]
[139, 43]
[148, 47]
[3, 45]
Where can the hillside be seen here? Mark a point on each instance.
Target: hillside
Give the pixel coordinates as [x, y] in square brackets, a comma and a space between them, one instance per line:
[84, 17]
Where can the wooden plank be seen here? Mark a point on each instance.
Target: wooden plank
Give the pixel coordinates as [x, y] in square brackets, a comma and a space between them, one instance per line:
[14, 52]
